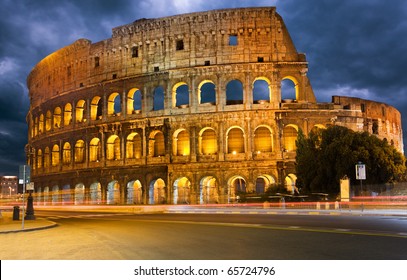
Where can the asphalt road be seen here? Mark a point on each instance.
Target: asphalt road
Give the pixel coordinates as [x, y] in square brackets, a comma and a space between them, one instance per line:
[98, 236]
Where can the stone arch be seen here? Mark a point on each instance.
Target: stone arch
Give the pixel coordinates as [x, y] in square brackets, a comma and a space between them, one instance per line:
[289, 89]
[48, 120]
[79, 194]
[67, 114]
[66, 154]
[80, 111]
[47, 157]
[290, 182]
[180, 95]
[113, 149]
[208, 190]
[95, 193]
[157, 144]
[234, 92]
[39, 158]
[263, 183]
[95, 150]
[181, 143]
[41, 124]
[55, 156]
[114, 107]
[157, 192]
[79, 151]
[57, 117]
[134, 101]
[182, 191]
[96, 108]
[46, 195]
[113, 192]
[134, 192]
[207, 92]
[290, 134]
[261, 90]
[55, 195]
[66, 194]
[235, 139]
[236, 186]
[208, 142]
[263, 139]
[158, 98]
[133, 146]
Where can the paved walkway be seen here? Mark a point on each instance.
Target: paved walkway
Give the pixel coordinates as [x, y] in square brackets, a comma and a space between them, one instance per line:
[8, 225]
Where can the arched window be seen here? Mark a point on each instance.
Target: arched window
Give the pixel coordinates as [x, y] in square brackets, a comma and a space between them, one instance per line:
[181, 143]
[79, 151]
[261, 91]
[57, 117]
[41, 124]
[114, 104]
[133, 146]
[113, 148]
[39, 159]
[96, 108]
[55, 156]
[180, 95]
[234, 92]
[235, 141]
[263, 140]
[67, 114]
[95, 150]
[290, 137]
[66, 154]
[208, 142]
[134, 101]
[207, 92]
[158, 99]
[80, 111]
[159, 144]
[289, 89]
[48, 121]
[157, 192]
[182, 191]
[47, 157]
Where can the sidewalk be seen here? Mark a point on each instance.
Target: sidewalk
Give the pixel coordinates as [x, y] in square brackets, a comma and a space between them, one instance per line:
[7, 225]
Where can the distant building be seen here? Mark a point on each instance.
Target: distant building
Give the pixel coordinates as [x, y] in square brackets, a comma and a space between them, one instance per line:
[9, 186]
[192, 108]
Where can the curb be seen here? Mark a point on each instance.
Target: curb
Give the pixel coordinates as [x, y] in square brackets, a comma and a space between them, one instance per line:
[50, 225]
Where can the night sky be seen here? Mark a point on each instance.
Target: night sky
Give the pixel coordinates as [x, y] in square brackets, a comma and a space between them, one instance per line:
[354, 47]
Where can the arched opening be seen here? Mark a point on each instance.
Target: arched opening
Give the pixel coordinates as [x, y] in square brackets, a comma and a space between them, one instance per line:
[66, 154]
[236, 187]
[157, 194]
[289, 89]
[66, 194]
[67, 114]
[95, 150]
[96, 108]
[79, 151]
[235, 141]
[180, 95]
[47, 157]
[290, 181]
[39, 159]
[157, 144]
[134, 192]
[48, 121]
[182, 191]
[114, 107]
[181, 143]
[263, 183]
[158, 98]
[55, 196]
[41, 124]
[95, 193]
[261, 91]
[113, 193]
[46, 195]
[57, 117]
[208, 142]
[55, 156]
[113, 148]
[234, 92]
[290, 137]
[208, 190]
[134, 101]
[263, 140]
[133, 146]
[79, 194]
[80, 111]
[207, 92]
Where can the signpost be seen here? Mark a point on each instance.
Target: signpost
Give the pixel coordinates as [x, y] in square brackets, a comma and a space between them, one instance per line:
[360, 173]
[24, 178]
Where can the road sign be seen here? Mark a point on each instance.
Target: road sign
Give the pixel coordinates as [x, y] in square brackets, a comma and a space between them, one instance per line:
[24, 174]
[360, 171]
[30, 186]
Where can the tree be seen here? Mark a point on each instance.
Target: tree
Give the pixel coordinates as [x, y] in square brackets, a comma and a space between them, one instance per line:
[327, 155]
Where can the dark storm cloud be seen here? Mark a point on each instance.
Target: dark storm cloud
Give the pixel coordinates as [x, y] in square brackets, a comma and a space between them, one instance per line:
[354, 47]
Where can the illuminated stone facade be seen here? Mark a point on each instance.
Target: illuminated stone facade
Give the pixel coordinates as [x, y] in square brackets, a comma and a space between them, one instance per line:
[190, 108]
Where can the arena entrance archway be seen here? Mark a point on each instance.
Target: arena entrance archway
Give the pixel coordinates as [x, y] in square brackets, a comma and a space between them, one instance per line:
[182, 191]
[208, 190]
[95, 193]
[156, 192]
[134, 192]
[79, 194]
[113, 193]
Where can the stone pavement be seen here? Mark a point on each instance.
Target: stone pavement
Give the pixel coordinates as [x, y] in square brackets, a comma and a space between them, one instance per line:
[8, 225]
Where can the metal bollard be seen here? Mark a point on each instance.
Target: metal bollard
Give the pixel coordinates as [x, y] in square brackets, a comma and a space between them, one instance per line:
[16, 213]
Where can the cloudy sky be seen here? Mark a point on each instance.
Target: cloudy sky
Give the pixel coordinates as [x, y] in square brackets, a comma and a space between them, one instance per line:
[354, 47]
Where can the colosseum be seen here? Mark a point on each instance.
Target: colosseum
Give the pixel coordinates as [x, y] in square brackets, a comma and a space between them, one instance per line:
[194, 108]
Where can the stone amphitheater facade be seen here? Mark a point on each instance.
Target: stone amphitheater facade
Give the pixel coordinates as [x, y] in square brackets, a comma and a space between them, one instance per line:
[190, 108]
